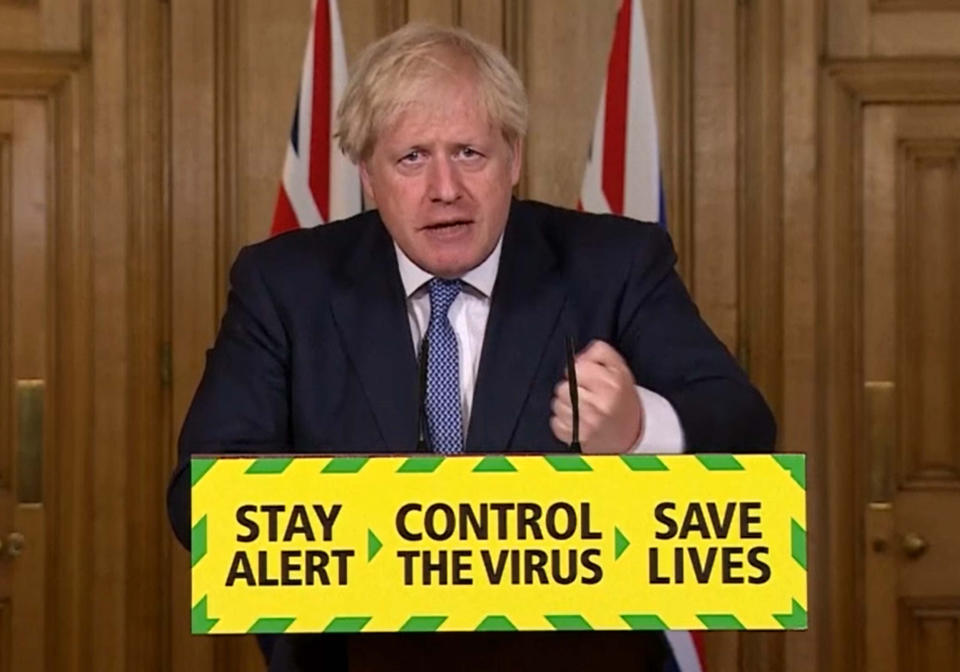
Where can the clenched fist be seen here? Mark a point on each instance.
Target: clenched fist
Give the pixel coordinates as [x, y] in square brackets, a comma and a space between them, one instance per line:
[611, 415]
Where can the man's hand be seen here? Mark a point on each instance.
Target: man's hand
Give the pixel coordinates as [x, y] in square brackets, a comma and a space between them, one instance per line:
[611, 416]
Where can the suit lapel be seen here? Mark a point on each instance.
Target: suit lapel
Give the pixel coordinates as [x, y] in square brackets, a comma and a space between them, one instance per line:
[370, 313]
[526, 303]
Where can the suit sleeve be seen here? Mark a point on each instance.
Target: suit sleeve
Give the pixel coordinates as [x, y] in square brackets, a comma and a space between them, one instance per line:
[672, 351]
[241, 404]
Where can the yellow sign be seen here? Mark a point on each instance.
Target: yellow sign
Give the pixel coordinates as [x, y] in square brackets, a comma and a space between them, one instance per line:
[431, 543]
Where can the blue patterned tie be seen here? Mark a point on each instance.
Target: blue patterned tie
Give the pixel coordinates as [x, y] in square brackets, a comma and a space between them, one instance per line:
[443, 371]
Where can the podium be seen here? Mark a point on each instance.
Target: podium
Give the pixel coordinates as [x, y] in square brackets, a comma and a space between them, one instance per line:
[493, 557]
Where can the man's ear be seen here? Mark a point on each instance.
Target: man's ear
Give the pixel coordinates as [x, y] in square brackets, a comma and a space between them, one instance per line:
[517, 161]
[367, 183]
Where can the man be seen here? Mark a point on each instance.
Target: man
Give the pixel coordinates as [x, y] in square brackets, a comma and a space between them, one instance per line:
[318, 349]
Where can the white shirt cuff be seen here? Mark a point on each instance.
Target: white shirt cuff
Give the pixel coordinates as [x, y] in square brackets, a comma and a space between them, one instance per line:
[662, 432]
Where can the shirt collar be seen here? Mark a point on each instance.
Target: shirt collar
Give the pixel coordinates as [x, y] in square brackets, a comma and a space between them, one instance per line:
[480, 278]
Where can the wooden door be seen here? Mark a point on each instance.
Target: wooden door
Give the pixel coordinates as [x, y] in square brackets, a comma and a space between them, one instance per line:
[42, 456]
[911, 385]
[81, 437]
[43, 417]
[889, 322]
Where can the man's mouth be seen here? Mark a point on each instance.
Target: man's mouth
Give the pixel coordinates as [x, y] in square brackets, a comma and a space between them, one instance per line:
[449, 224]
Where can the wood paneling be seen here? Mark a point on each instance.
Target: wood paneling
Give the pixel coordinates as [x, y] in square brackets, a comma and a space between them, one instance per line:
[31, 310]
[878, 28]
[797, 432]
[98, 204]
[6, 664]
[51, 25]
[111, 355]
[701, 64]
[146, 641]
[889, 250]
[914, 5]
[931, 635]
[565, 61]
[760, 142]
[445, 12]
[250, 83]
[811, 187]
[881, 601]
[193, 248]
[6, 311]
[930, 310]
[71, 393]
[714, 248]
[37, 114]
[670, 35]
[6, 390]
[485, 20]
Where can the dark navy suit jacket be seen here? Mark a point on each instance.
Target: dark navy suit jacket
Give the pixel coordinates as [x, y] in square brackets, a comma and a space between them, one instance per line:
[314, 354]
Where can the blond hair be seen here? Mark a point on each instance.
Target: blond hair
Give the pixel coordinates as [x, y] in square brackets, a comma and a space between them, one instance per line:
[394, 72]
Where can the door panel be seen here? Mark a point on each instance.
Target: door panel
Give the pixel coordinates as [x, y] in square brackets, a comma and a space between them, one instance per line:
[23, 515]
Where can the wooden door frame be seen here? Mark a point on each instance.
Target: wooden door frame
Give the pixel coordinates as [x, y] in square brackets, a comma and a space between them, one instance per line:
[845, 88]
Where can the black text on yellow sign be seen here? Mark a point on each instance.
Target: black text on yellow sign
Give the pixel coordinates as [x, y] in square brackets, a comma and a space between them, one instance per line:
[381, 544]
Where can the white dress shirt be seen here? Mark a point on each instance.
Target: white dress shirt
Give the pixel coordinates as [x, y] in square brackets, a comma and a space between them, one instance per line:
[468, 315]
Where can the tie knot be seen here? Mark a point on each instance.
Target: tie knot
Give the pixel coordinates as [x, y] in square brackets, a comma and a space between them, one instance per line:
[442, 294]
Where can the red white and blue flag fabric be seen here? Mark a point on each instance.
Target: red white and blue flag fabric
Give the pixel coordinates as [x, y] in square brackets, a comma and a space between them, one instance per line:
[622, 176]
[320, 184]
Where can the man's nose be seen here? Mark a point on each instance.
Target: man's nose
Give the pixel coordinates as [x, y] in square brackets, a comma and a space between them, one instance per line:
[445, 185]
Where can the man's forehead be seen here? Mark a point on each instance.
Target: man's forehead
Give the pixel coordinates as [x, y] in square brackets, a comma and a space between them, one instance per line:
[439, 114]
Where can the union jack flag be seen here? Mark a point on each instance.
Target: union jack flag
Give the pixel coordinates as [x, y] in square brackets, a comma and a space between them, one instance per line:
[319, 183]
[622, 176]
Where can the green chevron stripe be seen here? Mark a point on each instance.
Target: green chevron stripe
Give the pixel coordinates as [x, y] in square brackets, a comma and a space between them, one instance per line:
[720, 621]
[720, 462]
[798, 543]
[644, 622]
[269, 465]
[796, 620]
[373, 545]
[270, 625]
[567, 463]
[620, 543]
[344, 465]
[423, 623]
[644, 463]
[198, 541]
[347, 624]
[199, 623]
[495, 624]
[568, 622]
[419, 465]
[199, 466]
[795, 465]
[493, 463]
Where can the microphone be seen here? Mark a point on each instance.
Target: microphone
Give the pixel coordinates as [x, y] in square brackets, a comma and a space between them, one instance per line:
[423, 439]
[574, 395]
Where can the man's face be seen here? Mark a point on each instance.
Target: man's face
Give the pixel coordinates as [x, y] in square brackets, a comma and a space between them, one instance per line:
[441, 176]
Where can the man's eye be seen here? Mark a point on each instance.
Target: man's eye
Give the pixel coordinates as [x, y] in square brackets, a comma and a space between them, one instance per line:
[412, 157]
[469, 153]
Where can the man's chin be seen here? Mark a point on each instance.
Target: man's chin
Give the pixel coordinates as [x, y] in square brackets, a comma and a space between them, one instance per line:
[449, 268]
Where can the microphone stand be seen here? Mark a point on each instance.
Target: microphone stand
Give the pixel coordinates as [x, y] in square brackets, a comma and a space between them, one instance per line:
[574, 395]
[422, 438]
